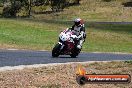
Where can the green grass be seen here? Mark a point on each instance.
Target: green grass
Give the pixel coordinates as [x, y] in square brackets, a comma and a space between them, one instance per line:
[110, 38]
[43, 35]
[26, 34]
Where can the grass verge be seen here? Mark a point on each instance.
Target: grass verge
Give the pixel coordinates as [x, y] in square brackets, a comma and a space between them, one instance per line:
[43, 35]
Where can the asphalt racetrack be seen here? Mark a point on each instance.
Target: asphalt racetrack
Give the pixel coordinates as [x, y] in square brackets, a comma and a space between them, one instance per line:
[24, 57]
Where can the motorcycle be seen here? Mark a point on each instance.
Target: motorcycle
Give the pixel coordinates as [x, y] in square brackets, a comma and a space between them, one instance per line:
[66, 45]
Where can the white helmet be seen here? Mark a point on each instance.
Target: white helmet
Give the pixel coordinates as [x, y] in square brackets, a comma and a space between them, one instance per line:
[77, 21]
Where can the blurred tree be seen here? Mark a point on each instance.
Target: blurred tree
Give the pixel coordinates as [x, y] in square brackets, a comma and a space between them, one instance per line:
[15, 7]
[57, 5]
[127, 4]
[29, 7]
[6, 8]
[40, 2]
[12, 7]
[77, 2]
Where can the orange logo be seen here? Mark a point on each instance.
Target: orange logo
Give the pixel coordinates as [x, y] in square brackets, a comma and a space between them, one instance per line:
[83, 78]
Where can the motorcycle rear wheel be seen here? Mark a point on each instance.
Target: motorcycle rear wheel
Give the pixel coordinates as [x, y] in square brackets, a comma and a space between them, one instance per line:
[75, 53]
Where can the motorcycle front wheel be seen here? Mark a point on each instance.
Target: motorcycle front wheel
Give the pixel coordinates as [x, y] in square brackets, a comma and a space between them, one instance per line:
[56, 50]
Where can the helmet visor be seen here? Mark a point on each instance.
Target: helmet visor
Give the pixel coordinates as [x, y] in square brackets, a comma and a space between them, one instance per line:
[77, 23]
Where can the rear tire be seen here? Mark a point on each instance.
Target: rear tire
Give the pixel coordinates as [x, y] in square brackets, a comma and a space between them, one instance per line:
[75, 53]
[56, 50]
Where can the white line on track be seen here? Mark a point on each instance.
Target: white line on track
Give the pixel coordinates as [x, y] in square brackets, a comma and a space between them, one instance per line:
[13, 49]
[21, 67]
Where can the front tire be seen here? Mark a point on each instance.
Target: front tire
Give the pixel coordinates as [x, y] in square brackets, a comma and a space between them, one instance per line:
[56, 50]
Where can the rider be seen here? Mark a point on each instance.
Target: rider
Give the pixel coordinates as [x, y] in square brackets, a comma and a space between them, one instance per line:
[79, 29]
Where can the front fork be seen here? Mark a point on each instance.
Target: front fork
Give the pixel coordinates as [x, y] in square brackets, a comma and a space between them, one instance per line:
[62, 45]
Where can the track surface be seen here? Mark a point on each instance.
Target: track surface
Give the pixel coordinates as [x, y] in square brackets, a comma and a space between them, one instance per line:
[23, 57]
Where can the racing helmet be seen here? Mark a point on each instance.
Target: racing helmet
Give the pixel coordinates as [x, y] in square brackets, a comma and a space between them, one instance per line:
[78, 21]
